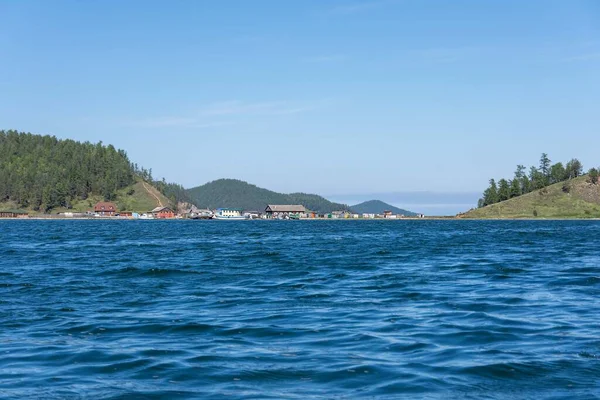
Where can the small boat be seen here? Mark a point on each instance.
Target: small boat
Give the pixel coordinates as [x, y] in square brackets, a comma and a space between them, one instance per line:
[201, 214]
[230, 214]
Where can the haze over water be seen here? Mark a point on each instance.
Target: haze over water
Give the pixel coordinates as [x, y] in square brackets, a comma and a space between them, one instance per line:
[311, 310]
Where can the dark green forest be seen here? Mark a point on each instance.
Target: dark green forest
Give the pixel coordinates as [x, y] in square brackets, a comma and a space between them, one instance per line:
[43, 172]
[525, 181]
[239, 194]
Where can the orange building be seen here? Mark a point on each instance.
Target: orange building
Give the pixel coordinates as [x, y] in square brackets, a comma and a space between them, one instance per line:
[163, 213]
[105, 208]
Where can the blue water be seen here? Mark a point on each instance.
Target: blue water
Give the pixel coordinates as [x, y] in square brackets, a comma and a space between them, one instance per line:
[299, 310]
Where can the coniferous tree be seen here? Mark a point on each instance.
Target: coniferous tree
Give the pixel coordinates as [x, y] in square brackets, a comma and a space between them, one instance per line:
[536, 178]
[490, 196]
[503, 190]
[557, 173]
[515, 188]
[544, 169]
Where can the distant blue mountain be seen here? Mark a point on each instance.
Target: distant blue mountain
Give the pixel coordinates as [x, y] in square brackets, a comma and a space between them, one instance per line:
[378, 207]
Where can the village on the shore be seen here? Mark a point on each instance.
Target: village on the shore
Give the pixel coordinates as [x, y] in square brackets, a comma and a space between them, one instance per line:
[109, 210]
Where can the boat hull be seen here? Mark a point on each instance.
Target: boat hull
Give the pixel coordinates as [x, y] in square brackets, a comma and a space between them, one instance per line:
[224, 218]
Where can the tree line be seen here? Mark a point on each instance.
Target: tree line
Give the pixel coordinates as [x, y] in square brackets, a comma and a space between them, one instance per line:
[43, 172]
[526, 181]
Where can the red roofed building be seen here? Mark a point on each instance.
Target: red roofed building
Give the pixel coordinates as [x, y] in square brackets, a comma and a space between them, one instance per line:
[105, 208]
[163, 213]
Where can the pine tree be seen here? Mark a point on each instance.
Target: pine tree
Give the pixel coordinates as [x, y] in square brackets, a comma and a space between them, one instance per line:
[503, 190]
[515, 188]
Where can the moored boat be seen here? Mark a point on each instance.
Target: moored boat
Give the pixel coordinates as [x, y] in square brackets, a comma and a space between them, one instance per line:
[233, 214]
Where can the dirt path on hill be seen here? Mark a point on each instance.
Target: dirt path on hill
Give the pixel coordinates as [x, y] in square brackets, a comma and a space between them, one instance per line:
[160, 204]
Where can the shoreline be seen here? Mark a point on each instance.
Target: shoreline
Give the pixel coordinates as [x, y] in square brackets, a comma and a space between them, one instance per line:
[432, 218]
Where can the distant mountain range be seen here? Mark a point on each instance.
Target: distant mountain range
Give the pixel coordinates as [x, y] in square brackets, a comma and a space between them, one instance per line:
[233, 193]
[378, 207]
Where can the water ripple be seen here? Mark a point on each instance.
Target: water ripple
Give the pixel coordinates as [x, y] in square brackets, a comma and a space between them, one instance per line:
[292, 310]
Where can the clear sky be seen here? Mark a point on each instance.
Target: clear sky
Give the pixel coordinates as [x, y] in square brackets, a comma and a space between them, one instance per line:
[343, 98]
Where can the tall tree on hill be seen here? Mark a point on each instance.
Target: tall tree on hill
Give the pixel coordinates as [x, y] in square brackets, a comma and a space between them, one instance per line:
[503, 190]
[525, 185]
[545, 164]
[515, 188]
[537, 178]
[520, 175]
[557, 173]
[490, 196]
[573, 169]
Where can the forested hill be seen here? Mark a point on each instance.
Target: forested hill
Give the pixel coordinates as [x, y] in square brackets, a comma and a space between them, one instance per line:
[378, 207]
[549, 190]
[575, 198]
[43, 173]
[239, 194]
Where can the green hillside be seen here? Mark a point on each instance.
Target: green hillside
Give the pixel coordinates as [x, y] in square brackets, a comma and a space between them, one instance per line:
[575, 198]
[43, 174]
[239, 194]
[378, 207]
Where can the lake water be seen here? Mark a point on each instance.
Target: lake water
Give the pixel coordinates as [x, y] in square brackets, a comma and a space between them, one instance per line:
[299, 310]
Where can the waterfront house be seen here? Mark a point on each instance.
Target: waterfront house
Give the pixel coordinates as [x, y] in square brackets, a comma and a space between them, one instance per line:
[285, 211]
[163, 213]
[14, 214]
[341, 214]
[105, 208]
[368, 215]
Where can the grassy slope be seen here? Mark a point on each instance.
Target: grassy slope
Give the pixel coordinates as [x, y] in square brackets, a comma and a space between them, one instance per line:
[582, 201]
[139, 201]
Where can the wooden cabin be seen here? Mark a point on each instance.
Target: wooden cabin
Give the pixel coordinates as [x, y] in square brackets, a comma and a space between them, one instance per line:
[14, 214]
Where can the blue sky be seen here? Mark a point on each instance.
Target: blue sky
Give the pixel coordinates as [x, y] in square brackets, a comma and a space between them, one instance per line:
[342, 98]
